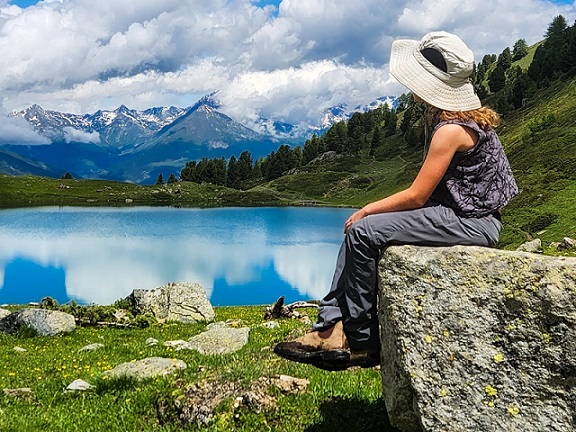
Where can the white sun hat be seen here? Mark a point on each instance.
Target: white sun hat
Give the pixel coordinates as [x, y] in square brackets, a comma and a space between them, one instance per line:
[437, 69]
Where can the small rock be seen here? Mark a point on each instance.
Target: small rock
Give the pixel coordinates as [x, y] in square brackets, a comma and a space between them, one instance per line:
[175, 343]
[270, 325]
[151, 341]
[122, 315]
[533, 246]
[91, 347]
[567, 243]
[288, 384]
[79, 385]
[19, 349]
[20, 393]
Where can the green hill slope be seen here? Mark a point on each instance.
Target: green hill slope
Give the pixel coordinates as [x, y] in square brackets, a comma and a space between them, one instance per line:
[539, 139]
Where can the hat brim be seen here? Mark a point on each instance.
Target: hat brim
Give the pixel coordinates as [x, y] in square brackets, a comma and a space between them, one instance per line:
[405, 67]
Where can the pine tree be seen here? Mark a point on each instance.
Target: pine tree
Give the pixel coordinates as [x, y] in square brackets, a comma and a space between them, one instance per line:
[310, 149]
[232, 173]
[245, 168]
[160, 180]
[376, 140]
[520, 50]
[172, 179]
[497, 79]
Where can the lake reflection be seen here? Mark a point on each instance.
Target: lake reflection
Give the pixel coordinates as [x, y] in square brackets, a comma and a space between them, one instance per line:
[241, 256]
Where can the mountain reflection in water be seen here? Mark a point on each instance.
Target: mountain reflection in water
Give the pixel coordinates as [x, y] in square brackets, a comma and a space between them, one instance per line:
[241, 256]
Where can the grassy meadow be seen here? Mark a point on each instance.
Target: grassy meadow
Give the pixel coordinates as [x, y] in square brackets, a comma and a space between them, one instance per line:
[332, 401]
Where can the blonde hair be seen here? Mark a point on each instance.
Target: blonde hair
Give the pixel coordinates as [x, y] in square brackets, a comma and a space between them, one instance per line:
[484, 117]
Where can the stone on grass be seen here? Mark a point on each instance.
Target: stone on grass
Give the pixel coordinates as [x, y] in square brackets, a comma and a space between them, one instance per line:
[20, 349]
[149, 367]
[91, 347]
[79, 385]
[181, 302]
[176, 344]
[151, 341]
[533, 246]
[4, 313]
[219, 339]
[24, 393]
[44, 322]
[477, 339]
[567, 243]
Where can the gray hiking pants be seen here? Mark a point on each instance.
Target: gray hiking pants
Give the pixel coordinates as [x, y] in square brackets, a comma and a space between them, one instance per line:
[352, 296]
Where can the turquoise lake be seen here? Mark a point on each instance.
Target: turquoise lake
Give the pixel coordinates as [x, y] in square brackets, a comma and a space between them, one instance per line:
[241, 256]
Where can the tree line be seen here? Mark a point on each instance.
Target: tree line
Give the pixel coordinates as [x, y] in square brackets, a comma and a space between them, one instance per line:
[509, 87]
[496, 79]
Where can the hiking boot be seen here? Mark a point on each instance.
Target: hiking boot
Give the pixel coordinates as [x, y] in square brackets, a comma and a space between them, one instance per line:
[327, 345]
[364, 359]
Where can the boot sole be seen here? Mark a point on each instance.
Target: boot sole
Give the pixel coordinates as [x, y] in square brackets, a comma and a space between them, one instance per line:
[309, 357]
[335, 366]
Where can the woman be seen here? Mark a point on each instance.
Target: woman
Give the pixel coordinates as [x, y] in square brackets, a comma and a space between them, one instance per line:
[454, 200]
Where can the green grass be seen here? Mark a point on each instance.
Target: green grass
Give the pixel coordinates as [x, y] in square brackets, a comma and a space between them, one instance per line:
[539, 141]
[333, 401]
[23, 191]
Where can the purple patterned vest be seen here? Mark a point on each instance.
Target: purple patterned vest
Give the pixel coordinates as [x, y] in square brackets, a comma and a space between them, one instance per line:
[479, 181]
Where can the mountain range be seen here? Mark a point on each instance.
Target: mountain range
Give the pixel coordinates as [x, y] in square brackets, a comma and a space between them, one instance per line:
[137, 146]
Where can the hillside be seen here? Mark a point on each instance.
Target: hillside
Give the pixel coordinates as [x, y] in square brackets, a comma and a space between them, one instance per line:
[538, 138]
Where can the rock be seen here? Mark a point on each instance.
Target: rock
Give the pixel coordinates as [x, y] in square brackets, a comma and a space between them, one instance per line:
[20, 349]
[44, 322]
[288, 384]
[176, 344]
[24, 393]
[270, 325]
[151, 341]
[79, 385]
[91, 347]
[219, 339]
[478, 339]
[181, 302]
[533, 246]
[4, 313]
[567, 243]
[147, 368]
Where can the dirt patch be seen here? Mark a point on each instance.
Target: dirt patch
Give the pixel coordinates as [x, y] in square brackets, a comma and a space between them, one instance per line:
[196, 403]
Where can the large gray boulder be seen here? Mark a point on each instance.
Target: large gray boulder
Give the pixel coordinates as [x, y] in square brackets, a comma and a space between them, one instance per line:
[182, 302]
[478, 339]
[44, 322]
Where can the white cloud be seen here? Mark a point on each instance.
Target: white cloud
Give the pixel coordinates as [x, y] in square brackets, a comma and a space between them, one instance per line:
[16, 130]
[80, 55]
[75, 135]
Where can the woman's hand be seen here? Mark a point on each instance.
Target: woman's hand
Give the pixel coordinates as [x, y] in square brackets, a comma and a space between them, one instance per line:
[356, 216]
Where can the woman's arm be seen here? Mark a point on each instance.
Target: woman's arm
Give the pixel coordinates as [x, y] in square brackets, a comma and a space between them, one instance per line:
[447, 140]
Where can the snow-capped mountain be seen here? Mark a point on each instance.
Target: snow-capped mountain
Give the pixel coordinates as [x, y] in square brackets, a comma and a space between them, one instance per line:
[342, 112]
[118, 128]
[126, 144]
[128, 127]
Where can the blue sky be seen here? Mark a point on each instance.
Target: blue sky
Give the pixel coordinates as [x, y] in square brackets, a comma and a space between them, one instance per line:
[288, 64]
